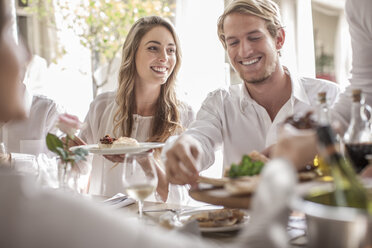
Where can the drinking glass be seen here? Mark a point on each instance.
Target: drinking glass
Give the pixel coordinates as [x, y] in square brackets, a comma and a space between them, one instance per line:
[139, 176]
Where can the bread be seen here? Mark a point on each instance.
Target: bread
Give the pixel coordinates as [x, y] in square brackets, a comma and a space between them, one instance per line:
[217, 182]
[124, 142]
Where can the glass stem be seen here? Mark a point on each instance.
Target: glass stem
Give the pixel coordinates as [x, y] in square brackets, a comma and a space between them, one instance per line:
[140, 208]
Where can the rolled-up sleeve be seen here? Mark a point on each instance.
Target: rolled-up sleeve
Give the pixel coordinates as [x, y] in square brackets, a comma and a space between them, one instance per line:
[207, 128]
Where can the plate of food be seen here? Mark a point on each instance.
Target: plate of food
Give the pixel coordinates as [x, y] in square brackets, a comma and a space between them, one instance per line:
[239, 183]
[236, 188]
[216, 220]
[115, 146]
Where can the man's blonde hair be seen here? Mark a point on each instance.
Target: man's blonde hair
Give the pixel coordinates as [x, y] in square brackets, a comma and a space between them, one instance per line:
[265, 9]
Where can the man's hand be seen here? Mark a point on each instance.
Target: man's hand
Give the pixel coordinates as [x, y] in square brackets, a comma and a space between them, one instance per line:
[182, 159]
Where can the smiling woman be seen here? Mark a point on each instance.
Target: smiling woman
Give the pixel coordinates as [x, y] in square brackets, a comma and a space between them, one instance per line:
[145, 107]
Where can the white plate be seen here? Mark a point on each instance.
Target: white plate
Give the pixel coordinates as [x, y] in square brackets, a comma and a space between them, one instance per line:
[143, 146]
[184, 217]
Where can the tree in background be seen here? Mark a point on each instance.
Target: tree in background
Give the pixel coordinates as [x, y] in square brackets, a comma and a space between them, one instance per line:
[100, 25]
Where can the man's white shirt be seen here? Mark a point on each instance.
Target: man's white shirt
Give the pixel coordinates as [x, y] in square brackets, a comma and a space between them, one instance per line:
[25, 140]
[230, 119]
[28, 136]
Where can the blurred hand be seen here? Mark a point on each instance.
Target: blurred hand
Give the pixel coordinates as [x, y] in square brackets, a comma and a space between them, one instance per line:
[182, 159]
[268, 151]
[76, 141]
[297, 146]
[367, 172]
[5, 159]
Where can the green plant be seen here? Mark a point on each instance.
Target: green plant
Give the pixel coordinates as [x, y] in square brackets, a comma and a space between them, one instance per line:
[61, 148]
[101, 25]
[67, 124]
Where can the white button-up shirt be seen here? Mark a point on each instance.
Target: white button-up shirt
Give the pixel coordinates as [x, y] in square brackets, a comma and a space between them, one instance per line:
[28, 136]
[25, 140]
[231, 119]
[105, 177]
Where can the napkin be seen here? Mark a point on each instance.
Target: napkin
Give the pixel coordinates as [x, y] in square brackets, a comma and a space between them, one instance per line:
[270, 211]
[118, 201]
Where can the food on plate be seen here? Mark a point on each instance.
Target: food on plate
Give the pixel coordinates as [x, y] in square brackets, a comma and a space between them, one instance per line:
[302, 121]
[124, 142]
[218, 218]
[109, 142]
[243, 185]
[250, 165]
[217, 182]
[106, 141]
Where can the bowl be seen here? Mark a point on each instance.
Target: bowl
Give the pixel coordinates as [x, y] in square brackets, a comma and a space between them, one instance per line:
[332, 226]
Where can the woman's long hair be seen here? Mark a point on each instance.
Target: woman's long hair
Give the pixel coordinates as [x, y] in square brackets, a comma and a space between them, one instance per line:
[166, 120]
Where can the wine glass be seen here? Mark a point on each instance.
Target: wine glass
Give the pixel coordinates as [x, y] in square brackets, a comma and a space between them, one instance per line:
[139, 176]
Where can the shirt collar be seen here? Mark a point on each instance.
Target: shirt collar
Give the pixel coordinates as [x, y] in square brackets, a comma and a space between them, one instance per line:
[298, 91]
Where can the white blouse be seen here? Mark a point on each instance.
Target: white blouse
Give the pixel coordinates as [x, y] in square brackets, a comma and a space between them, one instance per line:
[106, 180]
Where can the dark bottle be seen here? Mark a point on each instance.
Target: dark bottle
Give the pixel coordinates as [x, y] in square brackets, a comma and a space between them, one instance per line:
[348, 190]
[357, 138]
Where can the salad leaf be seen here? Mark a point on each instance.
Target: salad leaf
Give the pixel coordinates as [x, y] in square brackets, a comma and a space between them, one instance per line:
[247, 167]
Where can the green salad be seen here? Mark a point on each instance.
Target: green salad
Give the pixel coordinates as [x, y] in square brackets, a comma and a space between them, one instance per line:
[247, 167]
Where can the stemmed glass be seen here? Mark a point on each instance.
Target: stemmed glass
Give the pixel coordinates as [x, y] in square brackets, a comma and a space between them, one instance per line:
[139, 176]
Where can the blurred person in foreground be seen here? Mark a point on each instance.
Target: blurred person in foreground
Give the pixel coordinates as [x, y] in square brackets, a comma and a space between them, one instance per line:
[31, 217]
[245, 117]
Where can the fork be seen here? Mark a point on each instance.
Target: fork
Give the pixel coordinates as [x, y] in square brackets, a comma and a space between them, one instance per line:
[173, 210]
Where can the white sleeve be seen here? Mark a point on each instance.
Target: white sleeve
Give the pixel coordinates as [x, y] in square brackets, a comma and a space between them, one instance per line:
[359, 17]
[207, 128]
[50, 124]
[86, 133]
[94, 117]
[187, 115]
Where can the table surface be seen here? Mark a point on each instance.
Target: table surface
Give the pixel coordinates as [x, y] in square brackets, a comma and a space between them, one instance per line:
[153, 218]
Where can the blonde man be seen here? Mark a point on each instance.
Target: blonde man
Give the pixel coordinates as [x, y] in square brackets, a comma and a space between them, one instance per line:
[245, 117]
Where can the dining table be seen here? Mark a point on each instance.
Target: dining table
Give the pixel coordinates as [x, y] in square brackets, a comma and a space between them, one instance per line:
[156, 213]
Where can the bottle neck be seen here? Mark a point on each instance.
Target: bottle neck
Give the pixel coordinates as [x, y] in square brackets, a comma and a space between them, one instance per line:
[355, 111]
[323, 114]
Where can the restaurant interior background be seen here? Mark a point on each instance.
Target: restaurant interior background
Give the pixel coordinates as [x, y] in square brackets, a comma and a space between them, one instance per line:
[317, 44]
